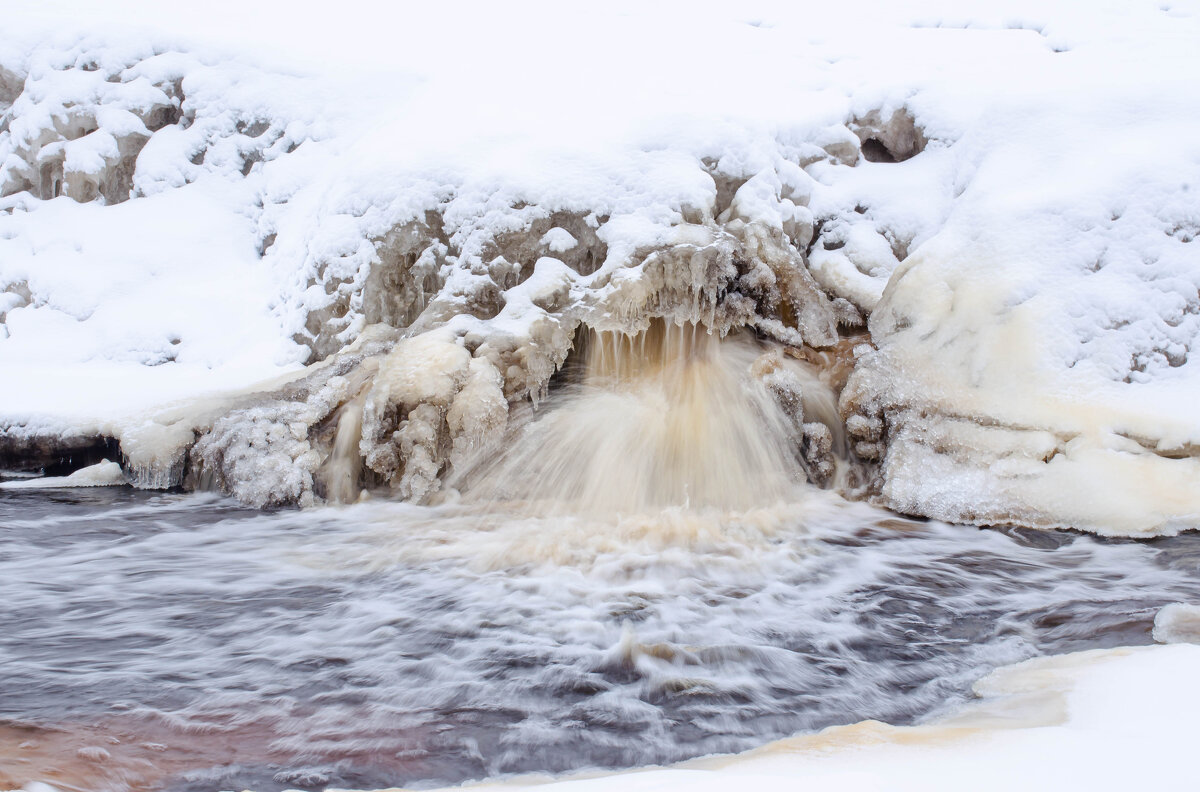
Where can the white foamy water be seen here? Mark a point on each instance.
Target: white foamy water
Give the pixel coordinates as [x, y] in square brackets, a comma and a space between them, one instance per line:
[385, 644]
[667, 418]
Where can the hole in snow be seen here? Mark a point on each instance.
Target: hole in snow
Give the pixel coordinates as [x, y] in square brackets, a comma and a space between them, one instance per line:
[873, 150]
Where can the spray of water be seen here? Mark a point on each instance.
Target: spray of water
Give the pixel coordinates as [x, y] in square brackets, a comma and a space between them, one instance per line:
[671, 418]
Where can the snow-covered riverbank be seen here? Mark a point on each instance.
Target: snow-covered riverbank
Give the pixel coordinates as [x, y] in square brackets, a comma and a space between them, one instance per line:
[1099, 720]
[1005, 199]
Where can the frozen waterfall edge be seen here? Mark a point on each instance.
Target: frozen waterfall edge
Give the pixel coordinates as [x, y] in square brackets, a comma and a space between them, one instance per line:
[425, 316]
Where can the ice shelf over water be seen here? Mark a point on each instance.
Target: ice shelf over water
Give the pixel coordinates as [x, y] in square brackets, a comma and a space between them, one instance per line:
[404, 218]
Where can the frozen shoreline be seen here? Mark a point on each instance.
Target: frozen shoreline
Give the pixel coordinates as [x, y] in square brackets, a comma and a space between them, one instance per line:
[1005, 202]
[1101, 719]
[231, 207]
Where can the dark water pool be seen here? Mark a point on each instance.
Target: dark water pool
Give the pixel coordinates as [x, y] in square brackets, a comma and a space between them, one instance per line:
[211, 647]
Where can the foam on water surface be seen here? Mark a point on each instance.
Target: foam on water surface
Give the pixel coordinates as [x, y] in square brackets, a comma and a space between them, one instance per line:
[382, 644]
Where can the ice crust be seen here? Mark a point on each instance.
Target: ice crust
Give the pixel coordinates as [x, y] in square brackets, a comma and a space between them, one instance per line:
[1007, 202]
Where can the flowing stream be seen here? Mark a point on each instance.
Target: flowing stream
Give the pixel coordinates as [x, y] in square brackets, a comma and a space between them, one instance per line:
[181, 642]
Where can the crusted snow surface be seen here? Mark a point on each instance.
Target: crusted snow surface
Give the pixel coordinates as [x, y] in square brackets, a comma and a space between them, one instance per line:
[191, 207]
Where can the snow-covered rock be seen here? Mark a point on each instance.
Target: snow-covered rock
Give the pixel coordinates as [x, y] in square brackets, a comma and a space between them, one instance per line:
[1034, 356]
[1006, 202]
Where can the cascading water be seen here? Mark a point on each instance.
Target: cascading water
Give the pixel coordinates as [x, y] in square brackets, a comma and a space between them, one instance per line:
[637, 574]
[341, 471]
[673, 417]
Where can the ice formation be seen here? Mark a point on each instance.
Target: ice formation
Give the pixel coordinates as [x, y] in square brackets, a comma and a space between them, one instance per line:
[992, 244]
[1178, 622]
[102, 474]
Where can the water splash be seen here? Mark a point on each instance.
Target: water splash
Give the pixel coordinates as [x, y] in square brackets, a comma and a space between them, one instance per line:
[674, 417]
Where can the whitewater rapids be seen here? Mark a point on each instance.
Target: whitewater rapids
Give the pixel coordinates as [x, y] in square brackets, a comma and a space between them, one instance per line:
[383, 644]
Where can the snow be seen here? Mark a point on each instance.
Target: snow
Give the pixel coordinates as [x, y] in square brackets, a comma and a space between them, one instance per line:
[245, 191]
[1090, 720]
[1178, 622]
[102, 474]
[207, 218]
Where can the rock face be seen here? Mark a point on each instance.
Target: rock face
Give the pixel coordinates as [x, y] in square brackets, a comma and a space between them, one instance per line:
[1012, 324]
[52, 454]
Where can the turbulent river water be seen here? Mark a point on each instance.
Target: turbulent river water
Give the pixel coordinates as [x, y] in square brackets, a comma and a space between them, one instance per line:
[181, 642]
[632, 577]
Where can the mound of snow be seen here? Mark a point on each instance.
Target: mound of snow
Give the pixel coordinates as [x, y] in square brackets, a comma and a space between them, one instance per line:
[1178, 622]
[102, 474]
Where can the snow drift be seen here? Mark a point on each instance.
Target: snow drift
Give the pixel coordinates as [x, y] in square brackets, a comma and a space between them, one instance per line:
[989, 220]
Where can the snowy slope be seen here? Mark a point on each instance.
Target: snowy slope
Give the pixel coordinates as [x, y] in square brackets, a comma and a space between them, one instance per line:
[194, 203]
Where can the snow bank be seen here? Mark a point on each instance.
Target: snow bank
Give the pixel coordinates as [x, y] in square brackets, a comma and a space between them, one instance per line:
[1091, 720]
[102, 474]
[1005, 200]
[1034, 357]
